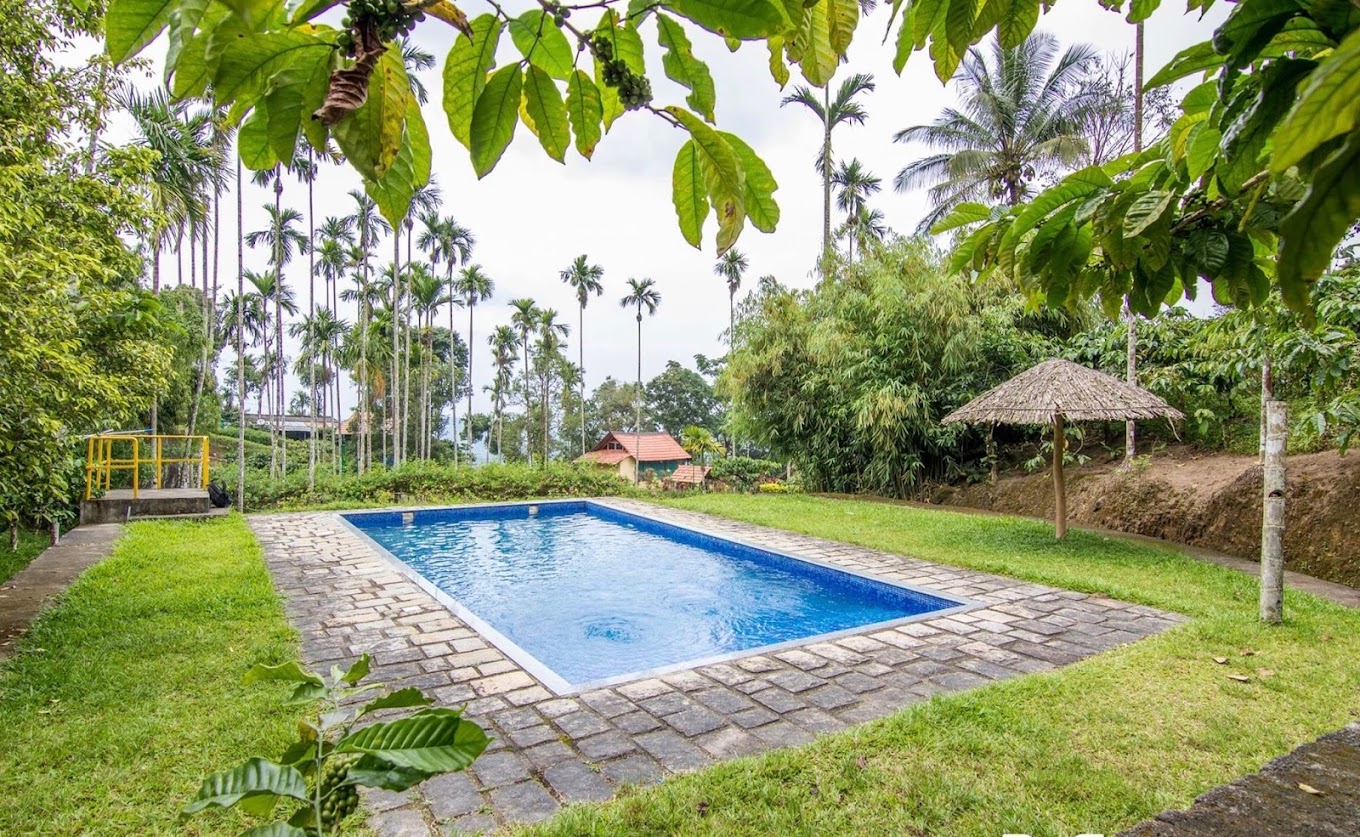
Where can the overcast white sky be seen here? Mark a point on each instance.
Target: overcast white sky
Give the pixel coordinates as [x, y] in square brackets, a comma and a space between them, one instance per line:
[532, 216]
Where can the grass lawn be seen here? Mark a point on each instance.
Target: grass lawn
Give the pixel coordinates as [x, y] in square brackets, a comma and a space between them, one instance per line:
[1094, 747]
[30, 544]
[128, 692]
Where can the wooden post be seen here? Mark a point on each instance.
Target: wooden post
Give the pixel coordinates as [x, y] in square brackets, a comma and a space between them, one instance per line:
[1272, 523]
[1059, 488]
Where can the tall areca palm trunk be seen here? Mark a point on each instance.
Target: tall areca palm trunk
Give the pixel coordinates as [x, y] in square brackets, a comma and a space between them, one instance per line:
[311, 318]
[637, 420]
[826, 177]
[278, 326]
[240, 342]
[467, 417]
[453, 375]
[1130, 432]
[528, 400]
[394, 386]
[581, 355]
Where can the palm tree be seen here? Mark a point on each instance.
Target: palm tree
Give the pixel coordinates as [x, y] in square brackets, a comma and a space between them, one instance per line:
[425, 199]
[504, 343]
[306, 170]
[831, 113]
[368, 226]
[415, 59]
[550, 334]
[473, 286]
[584, 278]
[427, 294]
[327, 329]
[283, 241]
[730, 268]
[864, 229]
[331, 263]
[449, 243]
[525, 319]
[641, 294]
[855, 185]
[240, 348]
[1018, 120]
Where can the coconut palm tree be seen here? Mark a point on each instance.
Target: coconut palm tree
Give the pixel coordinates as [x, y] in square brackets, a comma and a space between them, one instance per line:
[525, 320]
[368, 227]
[584, 279]
[832, 113]
[550, 334]
[1019, 119]
[473, 286]
[730, 267]
[504, 343]
[855, 184]
[641, 294]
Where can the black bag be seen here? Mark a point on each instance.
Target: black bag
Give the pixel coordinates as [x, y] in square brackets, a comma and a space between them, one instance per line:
[218, 496]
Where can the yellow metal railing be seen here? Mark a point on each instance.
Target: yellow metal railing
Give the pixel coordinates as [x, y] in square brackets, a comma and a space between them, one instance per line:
[109, 453]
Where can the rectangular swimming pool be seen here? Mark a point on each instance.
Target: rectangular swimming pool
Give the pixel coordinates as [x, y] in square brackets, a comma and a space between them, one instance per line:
[584, 595]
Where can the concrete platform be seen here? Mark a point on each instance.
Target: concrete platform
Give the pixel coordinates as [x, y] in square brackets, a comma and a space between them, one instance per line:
[119, 505]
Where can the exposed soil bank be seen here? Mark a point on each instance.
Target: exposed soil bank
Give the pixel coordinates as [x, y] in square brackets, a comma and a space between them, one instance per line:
[1208, 500]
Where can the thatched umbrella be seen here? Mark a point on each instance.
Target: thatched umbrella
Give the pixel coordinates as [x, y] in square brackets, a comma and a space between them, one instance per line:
[1055, 392]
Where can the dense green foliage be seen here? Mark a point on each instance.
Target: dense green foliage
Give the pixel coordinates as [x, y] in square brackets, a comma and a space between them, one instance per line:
[418, 483]
[1093, 747]
[125, 693]
[744, 473]
[79, 348]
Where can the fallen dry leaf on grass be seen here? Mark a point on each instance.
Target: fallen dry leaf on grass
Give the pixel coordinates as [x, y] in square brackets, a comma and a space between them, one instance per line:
[1221, 660]
[1240, 678]
[1247, 652]
[1265, 672]
[1309, 789]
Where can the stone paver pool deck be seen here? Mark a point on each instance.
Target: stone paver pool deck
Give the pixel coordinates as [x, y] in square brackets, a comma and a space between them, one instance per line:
[549, 750]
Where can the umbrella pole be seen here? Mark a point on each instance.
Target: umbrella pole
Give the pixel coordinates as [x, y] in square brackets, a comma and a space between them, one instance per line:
[1059, 488]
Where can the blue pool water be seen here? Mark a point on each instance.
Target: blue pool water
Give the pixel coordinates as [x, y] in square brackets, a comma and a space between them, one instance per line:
[594, 594]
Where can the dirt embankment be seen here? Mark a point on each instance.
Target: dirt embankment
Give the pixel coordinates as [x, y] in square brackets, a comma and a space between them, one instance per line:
[1207, 500]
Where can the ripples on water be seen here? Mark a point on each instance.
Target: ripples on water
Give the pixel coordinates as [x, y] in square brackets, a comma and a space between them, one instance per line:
[593, 599]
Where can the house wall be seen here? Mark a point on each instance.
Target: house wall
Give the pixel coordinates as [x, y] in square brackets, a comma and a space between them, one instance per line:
[627, 468]
[660, 470]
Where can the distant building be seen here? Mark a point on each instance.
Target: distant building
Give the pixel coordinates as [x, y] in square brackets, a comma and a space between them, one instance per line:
[656, 454]
[294, 427]
[687, 476]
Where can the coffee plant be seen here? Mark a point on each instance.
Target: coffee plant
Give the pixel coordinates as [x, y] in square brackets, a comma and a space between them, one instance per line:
[333, 757]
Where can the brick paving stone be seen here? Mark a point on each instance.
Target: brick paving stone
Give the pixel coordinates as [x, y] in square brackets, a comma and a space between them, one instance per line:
[524, 802]
[695, 720]
[675, 753]
[345, 600]
[399, 822]
[451, 795]
[606, 745]
[575, 782]
[581, 724]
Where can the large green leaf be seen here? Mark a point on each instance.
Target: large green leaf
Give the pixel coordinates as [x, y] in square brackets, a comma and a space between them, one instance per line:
[246, 62]
[1207, 250]
[547, 113]
[958, 24]
[722, 176]
[1201, 149]
[683, 68]
[373, 772]
[1310, 233]
[1246, 140]
[494, 118]
[1146, 210]
[842, 19]
[393, 191]
[539, 40]
[398, 699]
[129, 25]
[626, 40]
[962, 215]
[1075, 186]
[585, 110]
[371, 137]
[465, 73]
[779, 68]
[818, 59]
[1250, 26]
[289, 672]
[1193, 59]
[1017, 22]
[744, 19]
[183, 26]
[256, 778]
[1327, 107]
[1141, 10]
[435, 741]
[689, 193]
[274, 829]
[761, 207]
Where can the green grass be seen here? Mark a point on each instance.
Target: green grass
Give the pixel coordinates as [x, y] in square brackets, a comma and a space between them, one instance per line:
[126, 694]
[30, 545]
[1094, 747]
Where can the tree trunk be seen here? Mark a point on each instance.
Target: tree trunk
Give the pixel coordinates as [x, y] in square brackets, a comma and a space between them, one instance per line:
[1272, 522]
[1059, 487]
[453, 376]
[826, 179]
[528, 399]
[1267, 395]
[1131, 375]
[311, 319]
[394, 389]
[1129, 426]
[637, 419]
[467, 417]
[581, 353]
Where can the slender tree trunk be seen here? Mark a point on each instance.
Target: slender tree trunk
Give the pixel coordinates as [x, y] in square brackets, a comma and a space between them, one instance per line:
[1132, 372]
[156, 266]
[1272, 522]
[240, 344]
[453, 376]
[281, 402]
[637, 419]
[311, 320]
[467, 417]
[826, 178]
[394, 390]
[1059, 486]
[1267, 395]
[581, 349]
[528, 399]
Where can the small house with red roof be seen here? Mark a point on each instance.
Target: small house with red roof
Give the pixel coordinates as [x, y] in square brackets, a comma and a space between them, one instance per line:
[657, 455]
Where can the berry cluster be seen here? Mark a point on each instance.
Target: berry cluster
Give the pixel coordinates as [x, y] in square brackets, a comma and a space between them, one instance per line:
[635, 91]
[389, 19]
[337, 802]
[560, 14]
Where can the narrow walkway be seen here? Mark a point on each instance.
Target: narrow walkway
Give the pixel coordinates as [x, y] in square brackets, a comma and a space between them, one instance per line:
[1313, 791]
[24, 596]
[1342, 594]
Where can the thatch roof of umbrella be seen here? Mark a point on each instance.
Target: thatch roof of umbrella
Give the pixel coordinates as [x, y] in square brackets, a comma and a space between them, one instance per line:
[1061, 387]
[1056, 391]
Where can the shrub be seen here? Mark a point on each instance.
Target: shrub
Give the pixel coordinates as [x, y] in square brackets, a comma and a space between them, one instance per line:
[744, 473]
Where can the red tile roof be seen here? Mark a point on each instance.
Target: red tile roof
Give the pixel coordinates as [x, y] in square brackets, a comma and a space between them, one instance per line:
[647, 447]
[690, 474]
[604, 457]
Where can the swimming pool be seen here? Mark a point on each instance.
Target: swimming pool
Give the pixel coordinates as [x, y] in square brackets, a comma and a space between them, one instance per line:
[583, 595]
